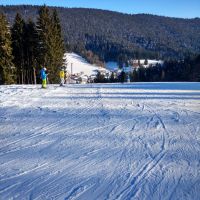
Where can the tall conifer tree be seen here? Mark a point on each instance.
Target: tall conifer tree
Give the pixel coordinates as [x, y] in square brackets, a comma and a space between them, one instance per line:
[18, 47]
[58, 42]
[7, 69]
[50, 44]
[45, 47]
[30, 51]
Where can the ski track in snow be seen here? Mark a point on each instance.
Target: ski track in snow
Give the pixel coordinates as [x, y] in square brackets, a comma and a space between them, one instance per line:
[100, 141]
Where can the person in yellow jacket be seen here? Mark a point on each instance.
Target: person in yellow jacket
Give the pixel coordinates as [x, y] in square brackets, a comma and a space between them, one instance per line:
[62, 76]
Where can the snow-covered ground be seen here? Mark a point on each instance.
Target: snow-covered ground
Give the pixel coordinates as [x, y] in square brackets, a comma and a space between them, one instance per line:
[100, 141]
[113, 66]
[150, 62]
[76, 65]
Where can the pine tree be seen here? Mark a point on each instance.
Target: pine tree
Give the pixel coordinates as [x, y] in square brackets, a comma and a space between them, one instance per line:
[7, 69]
[51, 45]
[18, 47]
[30, 51]
[100, 78]
[146, 62]
[57, 42]
[45, 50]
[122, 77]
[135, 75]
[195, 75]
[112, 77]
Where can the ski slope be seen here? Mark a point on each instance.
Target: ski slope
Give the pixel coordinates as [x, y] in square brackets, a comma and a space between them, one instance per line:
[77, 64]
[100, 141]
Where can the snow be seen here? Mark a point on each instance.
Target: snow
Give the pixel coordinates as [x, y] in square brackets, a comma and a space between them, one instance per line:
[152, 62]
[100, 141]
[79, 65]
[112, 66]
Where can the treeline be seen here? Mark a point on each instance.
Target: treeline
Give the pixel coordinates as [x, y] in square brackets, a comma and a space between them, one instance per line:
[173, 70]
[27, 46]
[32, 39]
[113, 36]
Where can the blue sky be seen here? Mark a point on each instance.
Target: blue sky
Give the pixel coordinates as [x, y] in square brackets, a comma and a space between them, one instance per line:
[172, 8]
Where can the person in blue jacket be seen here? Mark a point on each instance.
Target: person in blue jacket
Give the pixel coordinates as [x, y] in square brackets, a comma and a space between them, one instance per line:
[43, 76]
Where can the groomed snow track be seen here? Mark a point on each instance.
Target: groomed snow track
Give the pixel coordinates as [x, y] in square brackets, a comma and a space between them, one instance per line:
[100, 141]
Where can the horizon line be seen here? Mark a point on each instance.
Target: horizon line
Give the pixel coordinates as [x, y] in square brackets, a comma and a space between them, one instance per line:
[126, 13]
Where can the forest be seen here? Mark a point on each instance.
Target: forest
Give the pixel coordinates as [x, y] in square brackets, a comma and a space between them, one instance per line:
[33, 36]
[26, 47]
[112, 36]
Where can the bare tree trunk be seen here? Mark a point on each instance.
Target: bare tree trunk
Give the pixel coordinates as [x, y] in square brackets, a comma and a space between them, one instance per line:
[25, 77]
[27, 72]
[34, 75]
[31, 76]
[22, 74]
[18, 76]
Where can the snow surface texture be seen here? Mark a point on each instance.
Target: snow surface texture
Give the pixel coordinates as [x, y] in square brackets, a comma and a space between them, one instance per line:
[114, 141]
[77, 64]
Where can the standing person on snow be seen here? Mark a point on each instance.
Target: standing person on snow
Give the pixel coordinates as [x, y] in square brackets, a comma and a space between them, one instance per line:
[43, 76]
[62, 76]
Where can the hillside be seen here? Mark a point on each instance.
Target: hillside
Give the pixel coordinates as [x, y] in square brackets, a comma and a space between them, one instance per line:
[76, 65]
[116, 36]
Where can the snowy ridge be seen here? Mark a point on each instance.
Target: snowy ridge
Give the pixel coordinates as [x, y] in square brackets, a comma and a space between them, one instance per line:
[100, 141]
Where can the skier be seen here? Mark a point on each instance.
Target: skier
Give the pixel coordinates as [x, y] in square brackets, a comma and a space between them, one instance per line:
[62, 76]
[43, 76]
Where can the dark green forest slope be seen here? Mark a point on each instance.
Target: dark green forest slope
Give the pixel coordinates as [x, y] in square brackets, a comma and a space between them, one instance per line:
[114, 36]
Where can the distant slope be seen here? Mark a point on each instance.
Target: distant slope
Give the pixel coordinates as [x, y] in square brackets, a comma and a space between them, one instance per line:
[111, 35]
[76, 64]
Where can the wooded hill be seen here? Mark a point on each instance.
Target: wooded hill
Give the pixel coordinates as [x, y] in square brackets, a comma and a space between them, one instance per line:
[117, 36]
